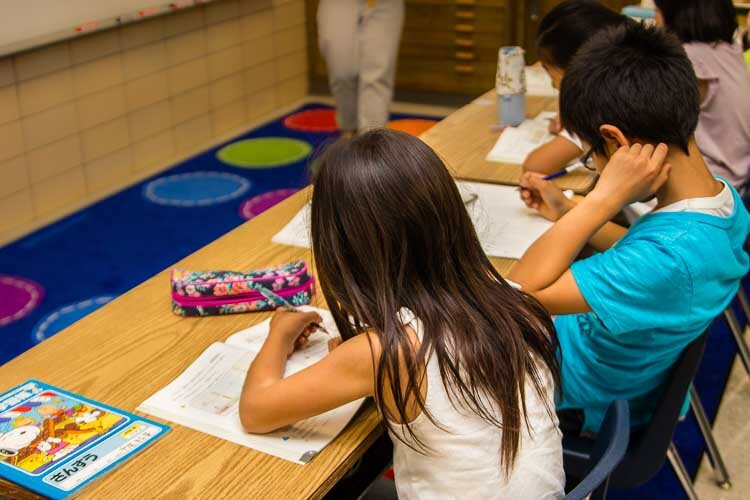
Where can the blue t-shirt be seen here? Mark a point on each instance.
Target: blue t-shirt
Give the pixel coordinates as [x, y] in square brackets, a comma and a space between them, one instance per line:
[652, 294]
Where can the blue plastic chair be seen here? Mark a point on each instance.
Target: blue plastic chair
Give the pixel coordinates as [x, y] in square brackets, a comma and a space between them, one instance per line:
[609, 450]
[651, 445]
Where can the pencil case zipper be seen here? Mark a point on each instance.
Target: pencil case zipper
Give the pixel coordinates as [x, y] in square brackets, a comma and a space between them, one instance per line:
[208, 301]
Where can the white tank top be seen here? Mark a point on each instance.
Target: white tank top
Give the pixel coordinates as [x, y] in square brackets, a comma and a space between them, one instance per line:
[463, 458]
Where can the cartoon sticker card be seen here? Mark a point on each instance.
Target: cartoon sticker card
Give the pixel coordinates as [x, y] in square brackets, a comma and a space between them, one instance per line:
[53, 442]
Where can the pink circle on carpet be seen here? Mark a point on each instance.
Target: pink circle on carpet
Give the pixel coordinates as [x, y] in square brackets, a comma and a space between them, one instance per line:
[18, 297]
[313, 120]
[259, 204]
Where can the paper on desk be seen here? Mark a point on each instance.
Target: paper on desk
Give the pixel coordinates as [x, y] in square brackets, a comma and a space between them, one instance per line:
[506, 228]
[539, 83]
[205, 397]
[515, 143]
[297, 232]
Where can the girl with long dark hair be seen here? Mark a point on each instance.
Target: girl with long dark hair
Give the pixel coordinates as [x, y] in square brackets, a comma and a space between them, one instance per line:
[460, 364]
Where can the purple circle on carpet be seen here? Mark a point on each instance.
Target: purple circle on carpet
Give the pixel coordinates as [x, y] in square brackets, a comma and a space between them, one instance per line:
[258, 204]
[18, 297]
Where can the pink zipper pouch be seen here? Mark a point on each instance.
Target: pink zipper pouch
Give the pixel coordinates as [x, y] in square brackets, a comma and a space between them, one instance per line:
[209, 293]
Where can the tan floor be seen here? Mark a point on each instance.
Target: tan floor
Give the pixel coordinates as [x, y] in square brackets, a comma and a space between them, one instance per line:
[732, 433]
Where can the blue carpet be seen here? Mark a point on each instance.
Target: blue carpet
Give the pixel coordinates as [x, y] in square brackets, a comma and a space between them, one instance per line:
[98, 253]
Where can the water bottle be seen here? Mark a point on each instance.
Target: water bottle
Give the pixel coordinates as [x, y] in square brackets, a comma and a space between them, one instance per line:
[510, 85]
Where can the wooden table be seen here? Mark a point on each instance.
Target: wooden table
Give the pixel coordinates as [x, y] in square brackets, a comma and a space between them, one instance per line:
[464, 138]
[132, 347]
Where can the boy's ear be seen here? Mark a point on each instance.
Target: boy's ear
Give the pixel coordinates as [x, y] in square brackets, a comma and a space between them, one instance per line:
[613, 138]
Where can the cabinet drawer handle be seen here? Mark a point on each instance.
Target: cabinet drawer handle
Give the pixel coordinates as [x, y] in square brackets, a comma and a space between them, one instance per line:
[463, 55]
[463, 42]
[465, 15]
[464, 69]
[465, 28]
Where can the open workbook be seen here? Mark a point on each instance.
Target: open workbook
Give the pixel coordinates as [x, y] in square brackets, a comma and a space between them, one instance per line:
[205, 397]
[505, 227]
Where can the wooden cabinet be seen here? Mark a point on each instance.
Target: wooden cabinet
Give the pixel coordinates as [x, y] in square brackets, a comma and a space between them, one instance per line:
[450, 46]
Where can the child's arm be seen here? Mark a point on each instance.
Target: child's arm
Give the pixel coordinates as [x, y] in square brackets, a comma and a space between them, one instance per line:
[632, 173]
[270, 401]
[552, 156]
[555, 204]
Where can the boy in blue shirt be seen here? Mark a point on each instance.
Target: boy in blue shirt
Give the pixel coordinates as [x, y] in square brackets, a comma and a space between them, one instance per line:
[626, 314]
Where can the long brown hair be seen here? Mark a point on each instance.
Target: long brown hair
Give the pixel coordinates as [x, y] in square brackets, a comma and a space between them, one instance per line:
[390, 231]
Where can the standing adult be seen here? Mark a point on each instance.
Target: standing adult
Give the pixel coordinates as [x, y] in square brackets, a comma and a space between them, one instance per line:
[359, 40]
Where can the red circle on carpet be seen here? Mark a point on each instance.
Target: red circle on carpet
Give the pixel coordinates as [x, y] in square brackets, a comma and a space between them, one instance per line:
[313, 120]
[413, 126]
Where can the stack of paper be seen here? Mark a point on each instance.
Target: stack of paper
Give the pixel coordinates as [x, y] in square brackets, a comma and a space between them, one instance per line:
[506, 228]
[205, 397]
[515, 143]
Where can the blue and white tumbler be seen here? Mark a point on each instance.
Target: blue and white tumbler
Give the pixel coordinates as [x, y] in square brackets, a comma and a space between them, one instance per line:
[511, 87]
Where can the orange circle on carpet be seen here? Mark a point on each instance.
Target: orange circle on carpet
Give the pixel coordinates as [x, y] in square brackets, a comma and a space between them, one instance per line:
[313, 120]
[413, 126]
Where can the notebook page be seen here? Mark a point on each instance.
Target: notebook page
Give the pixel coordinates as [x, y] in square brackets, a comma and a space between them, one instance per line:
[205, 397]
[505, 227]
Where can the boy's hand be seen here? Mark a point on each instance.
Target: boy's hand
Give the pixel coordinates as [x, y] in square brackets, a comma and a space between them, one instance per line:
[544, 196]
[633, 174]
[293, 328]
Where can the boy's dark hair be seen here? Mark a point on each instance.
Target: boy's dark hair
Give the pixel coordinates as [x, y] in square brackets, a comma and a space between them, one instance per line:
[636, 78]
[707, 21]
[569, 25]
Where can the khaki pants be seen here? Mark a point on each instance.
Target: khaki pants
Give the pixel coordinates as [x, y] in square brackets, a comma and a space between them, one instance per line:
[360, 45]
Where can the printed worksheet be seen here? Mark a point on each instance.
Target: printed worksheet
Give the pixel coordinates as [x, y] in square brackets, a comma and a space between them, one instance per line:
[205, 397]
[515, 143]
[506, 228]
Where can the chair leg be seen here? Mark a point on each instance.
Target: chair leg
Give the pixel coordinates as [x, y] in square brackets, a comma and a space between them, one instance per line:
[722, 475]
[744, 302]
[736, 329]
[679, 470]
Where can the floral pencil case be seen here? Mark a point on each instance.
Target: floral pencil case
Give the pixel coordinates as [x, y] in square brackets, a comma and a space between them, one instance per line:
[210, 293]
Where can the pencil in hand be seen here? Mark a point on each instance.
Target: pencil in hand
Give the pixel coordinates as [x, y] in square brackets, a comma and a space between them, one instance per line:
[284, 304]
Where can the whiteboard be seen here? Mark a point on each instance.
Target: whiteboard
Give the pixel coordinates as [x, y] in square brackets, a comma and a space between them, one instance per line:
[29, 23]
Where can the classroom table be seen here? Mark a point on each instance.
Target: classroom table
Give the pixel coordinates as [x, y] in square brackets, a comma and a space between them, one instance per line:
[134, 346]
[464, 138]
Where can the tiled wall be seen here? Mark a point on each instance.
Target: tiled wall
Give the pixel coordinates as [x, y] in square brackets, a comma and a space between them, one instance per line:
[81, 119]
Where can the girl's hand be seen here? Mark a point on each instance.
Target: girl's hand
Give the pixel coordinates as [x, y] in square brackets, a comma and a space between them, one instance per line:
[544, 196]
[633, 174]
[293, 328]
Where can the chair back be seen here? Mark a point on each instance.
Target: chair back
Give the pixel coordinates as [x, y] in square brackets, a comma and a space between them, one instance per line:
[609, 449]
[648, 447]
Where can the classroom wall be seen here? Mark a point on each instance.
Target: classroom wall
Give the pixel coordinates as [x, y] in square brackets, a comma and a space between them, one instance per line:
[82, 119]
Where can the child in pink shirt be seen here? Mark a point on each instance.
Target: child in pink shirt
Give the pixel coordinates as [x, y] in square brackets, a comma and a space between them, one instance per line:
[707, 29]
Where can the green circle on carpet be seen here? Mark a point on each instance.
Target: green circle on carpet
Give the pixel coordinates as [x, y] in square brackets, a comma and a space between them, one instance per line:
[264, 152]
